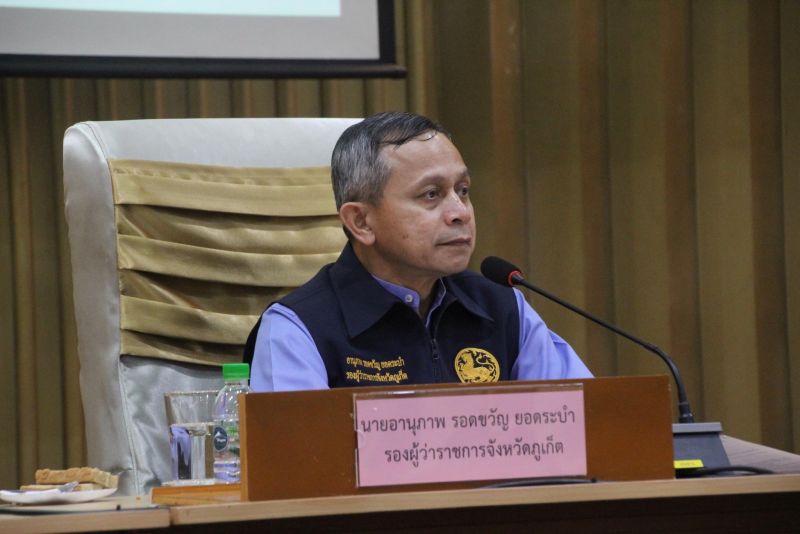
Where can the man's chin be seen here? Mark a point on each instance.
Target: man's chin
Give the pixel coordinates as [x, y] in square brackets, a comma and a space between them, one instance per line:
[457, 265]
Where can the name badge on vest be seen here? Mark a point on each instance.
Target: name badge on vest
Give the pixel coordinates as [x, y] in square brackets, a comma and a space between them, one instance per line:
[374, 371]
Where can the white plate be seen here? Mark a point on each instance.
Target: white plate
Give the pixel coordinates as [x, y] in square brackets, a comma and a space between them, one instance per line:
[53, 496]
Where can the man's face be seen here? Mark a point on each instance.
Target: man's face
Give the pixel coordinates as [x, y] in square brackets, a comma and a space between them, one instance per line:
[424, 225]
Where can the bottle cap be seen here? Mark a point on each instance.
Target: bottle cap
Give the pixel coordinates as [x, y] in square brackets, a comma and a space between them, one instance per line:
[235, 371]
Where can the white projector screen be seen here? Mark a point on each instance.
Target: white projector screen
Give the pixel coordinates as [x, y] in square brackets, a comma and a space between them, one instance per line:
[198, 38]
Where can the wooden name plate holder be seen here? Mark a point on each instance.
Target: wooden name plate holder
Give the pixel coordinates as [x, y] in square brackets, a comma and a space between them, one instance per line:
[302, 444]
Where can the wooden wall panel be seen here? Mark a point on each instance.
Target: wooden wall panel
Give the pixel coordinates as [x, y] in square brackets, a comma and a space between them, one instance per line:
[593, 118]
[8, 335]
[24, 304]
[566, 170]
[679, 195]
[725, 216]
[420, 48]
[790, 157]
[164, 99]
[254, 98]
[637, 171]
[122, 99]
[209, 98]
[506, 201]
[553, 163]
[299, 98]
[768, 256]
[343, 98]
[42, 182]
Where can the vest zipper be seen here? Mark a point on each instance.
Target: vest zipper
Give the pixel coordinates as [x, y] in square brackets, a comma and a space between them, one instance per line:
[437, 370]
[437, 376]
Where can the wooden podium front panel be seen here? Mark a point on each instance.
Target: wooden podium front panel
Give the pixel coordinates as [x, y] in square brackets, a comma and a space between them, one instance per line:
[302, 444]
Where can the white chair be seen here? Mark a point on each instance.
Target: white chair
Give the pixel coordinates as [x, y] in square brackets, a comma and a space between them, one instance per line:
[181, 232]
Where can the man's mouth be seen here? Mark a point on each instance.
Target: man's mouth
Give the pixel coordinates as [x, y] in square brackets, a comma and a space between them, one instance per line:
[459, 241]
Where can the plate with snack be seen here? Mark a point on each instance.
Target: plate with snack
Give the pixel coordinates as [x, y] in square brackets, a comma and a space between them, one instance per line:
[56, 486]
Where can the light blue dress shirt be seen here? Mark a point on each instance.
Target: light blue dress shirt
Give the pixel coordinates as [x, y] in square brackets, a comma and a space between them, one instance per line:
[286, 357]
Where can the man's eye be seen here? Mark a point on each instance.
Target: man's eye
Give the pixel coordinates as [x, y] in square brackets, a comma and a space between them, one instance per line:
[464, 191]
[431, 194]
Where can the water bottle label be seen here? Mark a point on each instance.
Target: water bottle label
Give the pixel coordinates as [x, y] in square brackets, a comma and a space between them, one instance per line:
[220, 439]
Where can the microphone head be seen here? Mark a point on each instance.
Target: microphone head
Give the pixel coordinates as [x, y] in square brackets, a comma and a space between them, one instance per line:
[499, 270]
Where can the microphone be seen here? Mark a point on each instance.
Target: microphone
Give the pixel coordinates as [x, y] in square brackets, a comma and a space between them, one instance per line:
[505, 273]
[696, 445]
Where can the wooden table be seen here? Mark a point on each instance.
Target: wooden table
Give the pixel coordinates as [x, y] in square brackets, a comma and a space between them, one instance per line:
[769, 503]
[110, 514]
[726, 504]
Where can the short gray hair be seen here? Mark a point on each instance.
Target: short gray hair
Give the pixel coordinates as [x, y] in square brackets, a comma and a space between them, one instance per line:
[358, 172]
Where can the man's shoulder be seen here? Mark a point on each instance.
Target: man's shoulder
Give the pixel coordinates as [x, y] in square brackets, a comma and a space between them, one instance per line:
[312, 291]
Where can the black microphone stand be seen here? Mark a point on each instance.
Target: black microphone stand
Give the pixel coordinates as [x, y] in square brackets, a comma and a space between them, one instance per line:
[684, 410]
[696, 445]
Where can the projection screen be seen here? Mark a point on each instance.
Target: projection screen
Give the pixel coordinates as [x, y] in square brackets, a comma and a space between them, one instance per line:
[198, 38]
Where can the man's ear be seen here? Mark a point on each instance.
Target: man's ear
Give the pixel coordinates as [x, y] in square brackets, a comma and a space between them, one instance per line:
[354, 218]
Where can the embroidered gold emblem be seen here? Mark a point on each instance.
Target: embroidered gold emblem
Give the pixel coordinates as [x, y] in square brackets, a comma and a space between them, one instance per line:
[476, 366]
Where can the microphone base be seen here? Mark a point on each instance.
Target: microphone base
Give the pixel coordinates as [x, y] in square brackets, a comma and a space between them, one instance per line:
[697, 445]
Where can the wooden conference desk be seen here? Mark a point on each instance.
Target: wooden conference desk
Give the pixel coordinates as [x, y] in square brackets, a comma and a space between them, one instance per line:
[134, 513]
[769, 503]
[728, 504]
[740, 504]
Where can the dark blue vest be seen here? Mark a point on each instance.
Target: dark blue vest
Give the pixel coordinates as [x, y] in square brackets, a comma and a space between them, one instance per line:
[367, 336]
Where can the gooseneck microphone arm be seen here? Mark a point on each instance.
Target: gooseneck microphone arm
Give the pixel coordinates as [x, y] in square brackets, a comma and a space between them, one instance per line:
[684, 410]
[504, 273]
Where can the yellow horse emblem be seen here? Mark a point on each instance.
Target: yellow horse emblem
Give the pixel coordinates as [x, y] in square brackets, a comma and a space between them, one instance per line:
[476, 366]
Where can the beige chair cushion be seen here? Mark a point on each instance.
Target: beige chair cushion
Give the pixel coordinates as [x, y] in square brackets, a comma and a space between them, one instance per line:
[201, 248]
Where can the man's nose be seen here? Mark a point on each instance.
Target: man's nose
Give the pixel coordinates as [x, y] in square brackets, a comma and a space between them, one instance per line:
[457, 209]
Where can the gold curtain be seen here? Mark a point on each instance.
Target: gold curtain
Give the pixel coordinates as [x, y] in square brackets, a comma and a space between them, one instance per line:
[638, 157]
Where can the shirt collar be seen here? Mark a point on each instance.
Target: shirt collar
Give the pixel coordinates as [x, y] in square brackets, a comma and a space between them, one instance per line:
[411, 298]
[455, 292]
[365, 300]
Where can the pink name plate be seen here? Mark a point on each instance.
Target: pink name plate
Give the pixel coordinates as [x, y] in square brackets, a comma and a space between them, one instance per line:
[434, 437]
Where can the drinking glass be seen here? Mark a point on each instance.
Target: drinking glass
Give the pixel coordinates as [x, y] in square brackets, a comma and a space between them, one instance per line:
[191, 434]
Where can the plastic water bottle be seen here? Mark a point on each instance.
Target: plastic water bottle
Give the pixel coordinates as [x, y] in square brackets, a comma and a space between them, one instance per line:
[226, 422]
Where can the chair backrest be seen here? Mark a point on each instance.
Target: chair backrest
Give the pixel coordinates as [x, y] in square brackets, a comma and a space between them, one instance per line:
[181, 232]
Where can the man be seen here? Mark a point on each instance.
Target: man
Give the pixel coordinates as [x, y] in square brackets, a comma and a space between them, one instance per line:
[398, 307]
